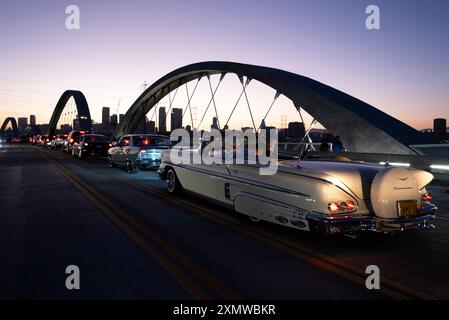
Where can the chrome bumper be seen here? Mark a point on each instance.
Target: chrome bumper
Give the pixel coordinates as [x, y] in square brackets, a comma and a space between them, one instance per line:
[354, 224]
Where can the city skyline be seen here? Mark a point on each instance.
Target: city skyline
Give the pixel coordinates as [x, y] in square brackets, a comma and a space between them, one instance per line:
[370, 65]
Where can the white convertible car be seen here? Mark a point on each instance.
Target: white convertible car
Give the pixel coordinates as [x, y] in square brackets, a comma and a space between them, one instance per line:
[333, 197]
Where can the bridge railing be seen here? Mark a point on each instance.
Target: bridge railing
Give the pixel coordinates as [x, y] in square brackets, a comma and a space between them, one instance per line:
[436, 164]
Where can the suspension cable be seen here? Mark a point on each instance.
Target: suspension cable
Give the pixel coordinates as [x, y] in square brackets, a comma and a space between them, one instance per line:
[235, 106]
[171, 101]
[276, 96]
[189, 99]
[212, 99]
[154, 112]
[247, 101]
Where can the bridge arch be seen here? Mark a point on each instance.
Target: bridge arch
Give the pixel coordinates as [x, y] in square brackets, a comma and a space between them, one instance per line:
[31, 130]
[84, 119]
[372, 130]
[13, 122]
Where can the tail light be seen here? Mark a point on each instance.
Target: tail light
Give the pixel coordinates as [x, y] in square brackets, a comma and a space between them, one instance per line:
[341, 206]
[71, 140]
[425, 199]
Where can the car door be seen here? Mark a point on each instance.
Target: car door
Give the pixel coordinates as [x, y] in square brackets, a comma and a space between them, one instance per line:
[117, 151]
[209, 180]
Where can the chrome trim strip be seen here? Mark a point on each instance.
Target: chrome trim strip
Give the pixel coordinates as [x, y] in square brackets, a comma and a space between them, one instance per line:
[243, 181]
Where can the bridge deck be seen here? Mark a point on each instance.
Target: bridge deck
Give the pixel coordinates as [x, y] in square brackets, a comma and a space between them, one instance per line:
[131, 240]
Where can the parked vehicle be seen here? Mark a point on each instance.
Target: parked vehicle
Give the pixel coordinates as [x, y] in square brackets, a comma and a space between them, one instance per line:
[58, 141]
[332, 197]
[91, 145]
[138, 151]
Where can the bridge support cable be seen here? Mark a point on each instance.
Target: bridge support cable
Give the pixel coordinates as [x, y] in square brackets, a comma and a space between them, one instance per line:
[170, 100]
[212, 99]
[189, 99]
[237, 102]
[276, 96]
[247, 100]
[154, 116]
[306, 136]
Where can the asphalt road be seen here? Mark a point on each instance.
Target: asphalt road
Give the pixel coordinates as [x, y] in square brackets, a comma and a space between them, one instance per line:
[132, 240]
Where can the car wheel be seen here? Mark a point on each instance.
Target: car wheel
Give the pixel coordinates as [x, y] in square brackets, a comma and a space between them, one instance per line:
[129, 167]
[173, 184]
[81, 155]
[73, 154]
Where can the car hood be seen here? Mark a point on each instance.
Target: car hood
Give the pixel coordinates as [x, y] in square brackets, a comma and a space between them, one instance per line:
[356, 177]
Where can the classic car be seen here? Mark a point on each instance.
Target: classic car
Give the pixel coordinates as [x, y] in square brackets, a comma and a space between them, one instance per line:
[329, 196]
[138, 151]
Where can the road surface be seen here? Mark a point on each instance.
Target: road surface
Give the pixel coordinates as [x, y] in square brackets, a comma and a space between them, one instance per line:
[130, 239]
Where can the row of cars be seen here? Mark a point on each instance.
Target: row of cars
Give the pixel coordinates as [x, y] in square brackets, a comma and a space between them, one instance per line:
[330, 196]
[130, 151]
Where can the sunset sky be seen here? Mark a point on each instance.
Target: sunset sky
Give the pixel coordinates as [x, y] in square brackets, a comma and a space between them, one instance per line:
[402, 69]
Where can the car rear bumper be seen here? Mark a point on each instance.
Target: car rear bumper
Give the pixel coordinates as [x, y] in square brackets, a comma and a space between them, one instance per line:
[355, 224]
[95, 152]
[153, 163]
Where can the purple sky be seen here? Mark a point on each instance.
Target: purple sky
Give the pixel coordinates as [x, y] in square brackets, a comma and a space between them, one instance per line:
[402, 69]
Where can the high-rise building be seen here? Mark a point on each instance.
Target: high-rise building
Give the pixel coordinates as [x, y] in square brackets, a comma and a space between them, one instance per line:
[296, 130]
[214, 123]
[176, 118]
[76, 124]
[114, 121]
[162, 120]
[105, 117]
[439, 129]
[22, 123]
[121, 118]
[32, 120]
[151, 126]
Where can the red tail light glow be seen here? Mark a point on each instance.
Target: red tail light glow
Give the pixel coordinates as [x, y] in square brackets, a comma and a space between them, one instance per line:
[350, 205]
[425, 199]
[333, 207]
[341, 206]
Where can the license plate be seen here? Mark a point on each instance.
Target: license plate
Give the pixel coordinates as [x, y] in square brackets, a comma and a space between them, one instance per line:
[99, 147]
[407, 208]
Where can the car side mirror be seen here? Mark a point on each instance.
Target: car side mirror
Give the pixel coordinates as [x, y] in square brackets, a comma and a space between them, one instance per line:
[114, 143]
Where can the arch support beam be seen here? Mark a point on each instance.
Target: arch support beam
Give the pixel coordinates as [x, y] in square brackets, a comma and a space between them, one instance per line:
[15, 129]
[84, 119]
[371, 130]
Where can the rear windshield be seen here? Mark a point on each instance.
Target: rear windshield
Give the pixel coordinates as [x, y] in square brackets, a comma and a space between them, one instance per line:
[145, 141]
[95, 139]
